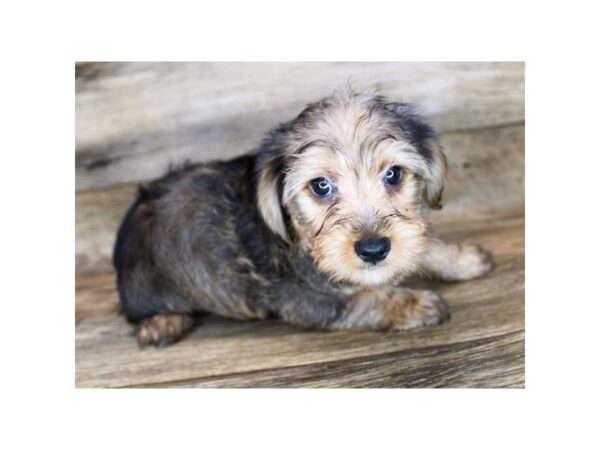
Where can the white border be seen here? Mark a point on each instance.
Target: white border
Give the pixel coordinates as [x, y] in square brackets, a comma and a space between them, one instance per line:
[42, 39]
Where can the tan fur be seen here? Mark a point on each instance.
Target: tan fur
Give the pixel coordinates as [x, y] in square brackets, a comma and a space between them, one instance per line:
[268, 204]
[163, 329]
[454, 262]
[436, 175]
[394, 308]
[363, 203]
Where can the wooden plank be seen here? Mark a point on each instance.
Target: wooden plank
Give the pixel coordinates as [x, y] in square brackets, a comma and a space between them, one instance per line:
[95, 295]
[497, 361]
[485, 331]
[134, 119]
[97, 218]
[486, 180]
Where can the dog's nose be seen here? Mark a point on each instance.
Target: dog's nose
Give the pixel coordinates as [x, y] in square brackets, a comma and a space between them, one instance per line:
[373, 249]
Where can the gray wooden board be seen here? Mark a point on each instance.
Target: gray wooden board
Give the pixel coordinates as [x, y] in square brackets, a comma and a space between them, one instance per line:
[496, 361]
[134, 119]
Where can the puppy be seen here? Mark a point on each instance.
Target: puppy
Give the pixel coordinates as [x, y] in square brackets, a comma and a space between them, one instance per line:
[317, 227]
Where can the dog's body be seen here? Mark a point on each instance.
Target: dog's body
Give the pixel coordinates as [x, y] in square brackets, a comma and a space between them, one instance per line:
[318, 226]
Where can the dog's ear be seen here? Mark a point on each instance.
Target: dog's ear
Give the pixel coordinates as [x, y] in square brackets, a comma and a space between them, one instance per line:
[422, 136]
[269, 193]
[438, 167]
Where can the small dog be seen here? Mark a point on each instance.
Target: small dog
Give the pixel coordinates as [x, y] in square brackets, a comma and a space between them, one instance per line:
[317, 227]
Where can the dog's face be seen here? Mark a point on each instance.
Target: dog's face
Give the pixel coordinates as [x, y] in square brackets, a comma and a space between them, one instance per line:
[350, 181]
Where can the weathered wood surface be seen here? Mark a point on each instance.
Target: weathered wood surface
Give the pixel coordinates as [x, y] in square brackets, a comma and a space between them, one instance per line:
[134, 119]
[482, 345]
[485, 181]
[496, 361]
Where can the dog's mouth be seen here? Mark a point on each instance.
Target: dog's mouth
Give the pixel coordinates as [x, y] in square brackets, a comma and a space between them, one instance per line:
[371, 266]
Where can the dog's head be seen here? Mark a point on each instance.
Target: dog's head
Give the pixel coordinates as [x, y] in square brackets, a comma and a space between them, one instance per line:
[350, 181]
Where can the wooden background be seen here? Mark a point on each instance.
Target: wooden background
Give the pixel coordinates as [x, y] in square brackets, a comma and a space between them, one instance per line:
[134, 119]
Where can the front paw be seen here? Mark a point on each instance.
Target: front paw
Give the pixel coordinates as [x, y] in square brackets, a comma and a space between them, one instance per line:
[414, 308]
[473, 261]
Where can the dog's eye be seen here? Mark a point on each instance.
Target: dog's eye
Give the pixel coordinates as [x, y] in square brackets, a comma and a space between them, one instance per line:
[321, 187]
[393, 176]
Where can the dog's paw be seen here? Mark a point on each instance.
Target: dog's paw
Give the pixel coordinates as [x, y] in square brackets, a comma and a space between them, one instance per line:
[416, 309]
[473, 261]
[164, 329]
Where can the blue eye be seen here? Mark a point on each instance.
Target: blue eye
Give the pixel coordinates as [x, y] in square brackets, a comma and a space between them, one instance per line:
[321, 187]
[393, 176]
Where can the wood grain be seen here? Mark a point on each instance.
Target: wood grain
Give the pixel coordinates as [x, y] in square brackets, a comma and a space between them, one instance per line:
[485, 330]
[134, 119]
[497, 360]
[485, 180]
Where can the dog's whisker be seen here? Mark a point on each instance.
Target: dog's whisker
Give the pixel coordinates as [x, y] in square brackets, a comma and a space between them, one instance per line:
[330, 210]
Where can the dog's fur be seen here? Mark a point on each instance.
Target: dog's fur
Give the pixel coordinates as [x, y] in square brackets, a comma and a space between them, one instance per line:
[248, 239]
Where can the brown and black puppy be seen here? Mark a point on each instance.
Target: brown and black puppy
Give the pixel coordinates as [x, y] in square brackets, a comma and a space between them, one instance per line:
[318, 227]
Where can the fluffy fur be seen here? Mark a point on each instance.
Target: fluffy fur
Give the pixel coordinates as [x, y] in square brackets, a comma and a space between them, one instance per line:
[249, 239]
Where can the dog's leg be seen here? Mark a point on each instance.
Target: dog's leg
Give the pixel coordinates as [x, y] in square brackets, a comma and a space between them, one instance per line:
[394, 309]
[163, 329]
[381, 309]
[454, 262]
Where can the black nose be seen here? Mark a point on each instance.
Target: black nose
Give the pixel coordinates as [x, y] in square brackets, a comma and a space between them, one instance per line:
[372, 249]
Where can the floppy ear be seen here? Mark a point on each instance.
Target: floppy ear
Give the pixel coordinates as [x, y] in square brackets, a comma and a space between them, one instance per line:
[422, 136]
[270, 183]
[438, 167]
